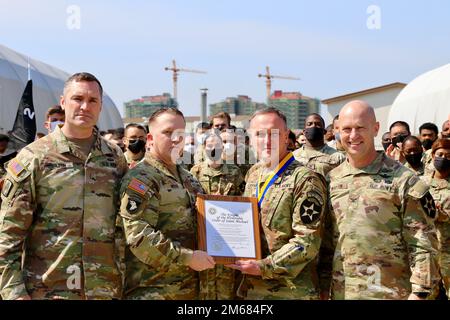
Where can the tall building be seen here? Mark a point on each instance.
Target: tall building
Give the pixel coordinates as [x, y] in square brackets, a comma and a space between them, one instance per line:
[295, 107]
[147, 105]
[240, 105]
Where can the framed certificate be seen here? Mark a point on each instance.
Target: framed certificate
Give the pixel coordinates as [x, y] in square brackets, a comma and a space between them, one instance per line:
[228, 228]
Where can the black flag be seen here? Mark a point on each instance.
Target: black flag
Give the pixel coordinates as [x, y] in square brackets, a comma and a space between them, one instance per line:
[24, 130]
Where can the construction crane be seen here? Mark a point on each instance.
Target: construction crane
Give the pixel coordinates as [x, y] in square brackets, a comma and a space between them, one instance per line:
[175, 71]
[269, 78]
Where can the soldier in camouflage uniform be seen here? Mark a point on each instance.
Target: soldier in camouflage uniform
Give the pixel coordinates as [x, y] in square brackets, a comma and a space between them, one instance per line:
[291, 209]
[439, 182]
[220, 178]
[413, 153]
[381, 220]
[315, 154]
[159, 217]
[59, 207]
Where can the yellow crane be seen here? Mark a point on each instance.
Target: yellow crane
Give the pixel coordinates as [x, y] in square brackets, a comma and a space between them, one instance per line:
[175, 71]
[269, 78]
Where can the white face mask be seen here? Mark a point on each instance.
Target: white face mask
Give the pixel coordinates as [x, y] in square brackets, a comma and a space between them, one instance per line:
[201, 138]
[53, 125]
[228, 148]
[189, 148]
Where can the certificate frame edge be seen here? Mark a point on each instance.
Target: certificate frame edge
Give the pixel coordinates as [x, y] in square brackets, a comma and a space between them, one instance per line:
[201, 229]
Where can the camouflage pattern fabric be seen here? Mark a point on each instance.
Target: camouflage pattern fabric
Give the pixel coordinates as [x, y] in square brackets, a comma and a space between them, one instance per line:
[419, 172]
[219, 283]
[382, 227]
[291, 218]
[159, 218]
[59, 212]
[321, 160]
[440, 190]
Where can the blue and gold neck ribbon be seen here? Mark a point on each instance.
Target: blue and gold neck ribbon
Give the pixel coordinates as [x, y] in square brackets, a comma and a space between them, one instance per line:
[274, 175]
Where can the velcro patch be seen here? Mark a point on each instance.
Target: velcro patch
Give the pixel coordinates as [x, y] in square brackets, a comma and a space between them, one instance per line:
[428, 205]
[15, 167]
[133, 205]
[7, 186]
[310, 211]
[138, 186]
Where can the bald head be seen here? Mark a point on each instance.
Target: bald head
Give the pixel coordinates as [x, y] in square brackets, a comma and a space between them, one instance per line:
[358, 128]
[358, 108]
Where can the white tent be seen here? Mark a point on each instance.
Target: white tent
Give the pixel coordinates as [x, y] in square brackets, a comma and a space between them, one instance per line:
[425, 99]
[48, 83]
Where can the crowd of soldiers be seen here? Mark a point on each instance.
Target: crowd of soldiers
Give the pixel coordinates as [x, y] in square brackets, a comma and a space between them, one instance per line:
[112, 215]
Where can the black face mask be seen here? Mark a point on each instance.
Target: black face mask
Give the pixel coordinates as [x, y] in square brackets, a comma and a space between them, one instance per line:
[414, 160]
[427, 144]
[441, 164]
[314, 134]
[136, 146]
[386, 145]
[398, 139]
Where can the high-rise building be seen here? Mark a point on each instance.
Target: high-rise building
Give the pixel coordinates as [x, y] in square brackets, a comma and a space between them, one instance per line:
[240, 105]
[294, 106]
[147, 105]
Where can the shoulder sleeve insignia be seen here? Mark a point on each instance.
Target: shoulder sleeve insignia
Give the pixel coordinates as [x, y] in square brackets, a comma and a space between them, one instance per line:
[138, 186]
[428, 205]
[133, 205]
[310, 211]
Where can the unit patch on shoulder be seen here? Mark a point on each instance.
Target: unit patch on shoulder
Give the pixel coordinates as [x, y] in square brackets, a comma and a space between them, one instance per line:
[428, 205]
[133, 205]
[138, 186]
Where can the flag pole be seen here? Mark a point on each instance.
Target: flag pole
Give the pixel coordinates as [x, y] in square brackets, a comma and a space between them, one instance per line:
[29, 69]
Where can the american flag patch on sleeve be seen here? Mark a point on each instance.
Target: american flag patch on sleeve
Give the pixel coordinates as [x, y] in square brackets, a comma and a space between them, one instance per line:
[138, 186]
[16, 167]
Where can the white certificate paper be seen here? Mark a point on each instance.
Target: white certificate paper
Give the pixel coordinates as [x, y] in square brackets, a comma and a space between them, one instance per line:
[229, 229]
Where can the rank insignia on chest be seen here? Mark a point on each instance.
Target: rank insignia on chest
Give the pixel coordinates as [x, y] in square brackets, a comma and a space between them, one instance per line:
[138, 186]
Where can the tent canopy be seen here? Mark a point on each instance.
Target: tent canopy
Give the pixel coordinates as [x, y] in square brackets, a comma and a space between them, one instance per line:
[48, 84]
[425, 99]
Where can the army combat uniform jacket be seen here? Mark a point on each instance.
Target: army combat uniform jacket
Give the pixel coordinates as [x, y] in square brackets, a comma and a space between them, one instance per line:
[159, 219]
[382, 228]
[321, 160]
[290, 218]
[227, 180]
[59, 212]
[440, 190]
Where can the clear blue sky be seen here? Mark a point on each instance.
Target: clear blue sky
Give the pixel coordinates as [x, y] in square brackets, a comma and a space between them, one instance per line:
[327, 44]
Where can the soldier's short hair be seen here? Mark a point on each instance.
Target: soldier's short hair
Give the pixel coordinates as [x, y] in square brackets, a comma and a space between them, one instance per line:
[161, 111]
[204, 125]
[316, 115]
[56, 109]
[83, 76]
[221, 115]
[429, 126]
[400, 124]
[135, 125]
[440, 144]
[411, 138]
[268, 111]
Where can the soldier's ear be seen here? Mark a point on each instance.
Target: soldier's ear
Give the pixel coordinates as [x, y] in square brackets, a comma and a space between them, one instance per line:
[376, 128]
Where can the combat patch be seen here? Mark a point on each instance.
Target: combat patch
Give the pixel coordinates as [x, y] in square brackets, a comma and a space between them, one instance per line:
[310, 211]
[428, 205]
[133, 205]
